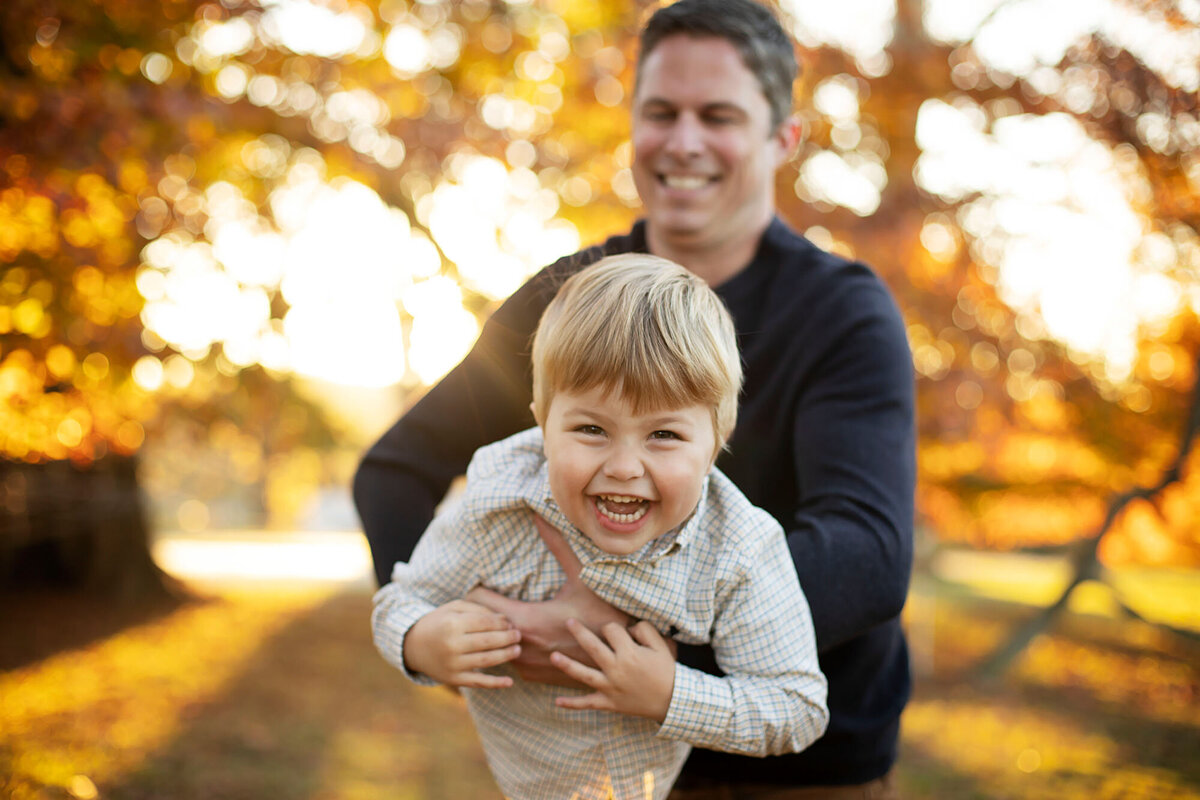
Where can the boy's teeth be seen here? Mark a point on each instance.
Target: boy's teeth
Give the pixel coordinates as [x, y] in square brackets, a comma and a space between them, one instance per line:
[633, 515]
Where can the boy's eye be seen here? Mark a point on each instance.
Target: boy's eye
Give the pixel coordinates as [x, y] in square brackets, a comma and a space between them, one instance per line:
[590, 430]
[664, 435]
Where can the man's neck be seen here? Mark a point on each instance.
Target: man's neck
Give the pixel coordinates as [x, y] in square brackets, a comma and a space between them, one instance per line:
[714, 263]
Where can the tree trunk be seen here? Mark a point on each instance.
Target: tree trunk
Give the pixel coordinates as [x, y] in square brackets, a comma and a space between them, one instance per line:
[80, 527]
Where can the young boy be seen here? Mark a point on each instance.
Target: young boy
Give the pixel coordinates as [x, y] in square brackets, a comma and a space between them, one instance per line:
[636, 375]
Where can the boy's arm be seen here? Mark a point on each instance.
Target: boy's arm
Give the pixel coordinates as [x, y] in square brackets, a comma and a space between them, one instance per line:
[452, 643]
[423, 629]
[634, 673]
[772, 698]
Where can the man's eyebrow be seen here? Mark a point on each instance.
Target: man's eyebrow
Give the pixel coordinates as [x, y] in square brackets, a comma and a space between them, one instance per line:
[708, 108]
[725, 106]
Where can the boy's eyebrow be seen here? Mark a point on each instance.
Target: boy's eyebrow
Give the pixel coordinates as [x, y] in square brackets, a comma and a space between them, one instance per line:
[667, 418]
[585, 411]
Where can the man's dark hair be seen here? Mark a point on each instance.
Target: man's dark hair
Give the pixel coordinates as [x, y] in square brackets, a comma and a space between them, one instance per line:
[749, 26]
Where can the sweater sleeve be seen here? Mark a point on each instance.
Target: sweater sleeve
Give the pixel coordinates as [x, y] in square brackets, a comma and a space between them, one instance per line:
[853, 440]
[772, 697]
[405, 474]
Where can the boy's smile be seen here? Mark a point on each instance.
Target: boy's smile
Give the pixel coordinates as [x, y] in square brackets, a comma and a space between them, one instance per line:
[625, 479]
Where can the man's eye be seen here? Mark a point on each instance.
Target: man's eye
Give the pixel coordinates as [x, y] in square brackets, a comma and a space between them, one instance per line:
[665, 435]
[657, 114]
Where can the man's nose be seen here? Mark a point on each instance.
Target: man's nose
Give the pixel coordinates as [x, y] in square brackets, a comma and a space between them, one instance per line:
[686, 136]
[623, 464]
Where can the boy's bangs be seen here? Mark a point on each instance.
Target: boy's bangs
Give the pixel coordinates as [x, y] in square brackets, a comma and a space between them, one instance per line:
[643, 369]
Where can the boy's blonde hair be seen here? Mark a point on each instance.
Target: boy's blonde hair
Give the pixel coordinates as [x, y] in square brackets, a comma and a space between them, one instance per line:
[645, 327]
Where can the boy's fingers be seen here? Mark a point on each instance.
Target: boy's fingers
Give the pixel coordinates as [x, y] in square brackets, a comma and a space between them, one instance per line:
[616, 636]
[592, 644]
[481, 680]
[480, 641]
[596, 701]
[586, 675]
[478, 619]
[648, 636]
[481, 659]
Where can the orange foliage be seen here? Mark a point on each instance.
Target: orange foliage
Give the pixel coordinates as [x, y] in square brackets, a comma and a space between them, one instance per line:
[1022, 438]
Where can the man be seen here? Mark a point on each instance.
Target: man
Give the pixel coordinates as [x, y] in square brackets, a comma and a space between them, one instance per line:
[824, 439]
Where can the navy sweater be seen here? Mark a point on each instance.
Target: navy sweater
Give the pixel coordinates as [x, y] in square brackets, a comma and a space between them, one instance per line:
[824, 442]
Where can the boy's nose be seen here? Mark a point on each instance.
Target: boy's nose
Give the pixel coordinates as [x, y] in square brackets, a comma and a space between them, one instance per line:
[623, 465]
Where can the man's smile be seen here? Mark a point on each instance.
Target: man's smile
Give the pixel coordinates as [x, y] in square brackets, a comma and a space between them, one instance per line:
[686, 182]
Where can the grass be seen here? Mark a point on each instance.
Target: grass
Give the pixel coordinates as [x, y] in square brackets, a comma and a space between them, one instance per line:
[244, 694]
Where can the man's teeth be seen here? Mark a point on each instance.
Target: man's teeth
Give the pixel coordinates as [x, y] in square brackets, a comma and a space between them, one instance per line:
[685, 181]
[614, 515]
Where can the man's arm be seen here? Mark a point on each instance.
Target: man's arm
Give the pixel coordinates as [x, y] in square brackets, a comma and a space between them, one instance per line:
[853, 442]
[485, 398]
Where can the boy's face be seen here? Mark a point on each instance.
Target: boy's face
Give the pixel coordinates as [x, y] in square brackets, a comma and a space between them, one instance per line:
[624, 478]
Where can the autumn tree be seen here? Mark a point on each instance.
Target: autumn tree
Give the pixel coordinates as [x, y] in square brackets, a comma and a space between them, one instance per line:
[203, 197]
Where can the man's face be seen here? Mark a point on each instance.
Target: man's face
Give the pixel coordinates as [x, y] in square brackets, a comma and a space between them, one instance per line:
[704, 153]
[625, 479]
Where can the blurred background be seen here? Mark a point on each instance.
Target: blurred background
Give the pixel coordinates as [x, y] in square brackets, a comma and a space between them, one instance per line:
[238, 238]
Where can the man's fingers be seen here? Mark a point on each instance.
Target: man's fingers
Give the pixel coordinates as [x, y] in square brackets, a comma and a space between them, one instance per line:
[585, 675]
[596, 700]
[474, 618]
[558, 547]
[493, 601]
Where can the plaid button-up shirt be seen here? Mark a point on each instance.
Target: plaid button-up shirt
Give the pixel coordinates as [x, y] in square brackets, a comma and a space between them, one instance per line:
[725, 578]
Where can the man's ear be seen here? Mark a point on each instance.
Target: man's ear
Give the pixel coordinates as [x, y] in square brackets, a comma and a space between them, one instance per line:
[787, 138]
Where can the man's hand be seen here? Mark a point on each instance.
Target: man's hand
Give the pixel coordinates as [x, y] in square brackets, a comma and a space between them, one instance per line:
[636, 672]
[543, 625]
[452, 643]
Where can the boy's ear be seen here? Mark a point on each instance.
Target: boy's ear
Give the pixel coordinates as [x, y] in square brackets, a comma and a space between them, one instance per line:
[533, 409]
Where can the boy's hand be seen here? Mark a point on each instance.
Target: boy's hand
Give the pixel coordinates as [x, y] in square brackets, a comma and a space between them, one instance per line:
[452, 643]
[636, 672]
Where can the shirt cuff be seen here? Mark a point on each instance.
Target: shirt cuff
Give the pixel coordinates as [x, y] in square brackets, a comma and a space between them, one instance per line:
[389, 637]
[701, 708]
